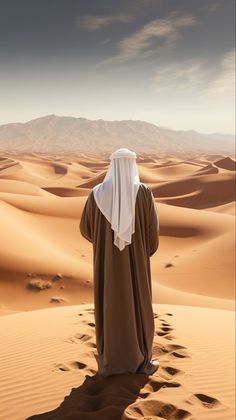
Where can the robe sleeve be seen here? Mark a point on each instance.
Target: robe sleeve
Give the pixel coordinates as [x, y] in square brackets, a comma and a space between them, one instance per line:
[86, 220]
[153, 225]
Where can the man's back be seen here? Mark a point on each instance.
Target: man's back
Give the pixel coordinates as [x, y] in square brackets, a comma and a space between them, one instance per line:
[146, 222]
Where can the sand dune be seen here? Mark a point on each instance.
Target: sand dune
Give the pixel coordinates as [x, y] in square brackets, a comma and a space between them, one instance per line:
[198, 192]
[226, 163]
[46, 281]
[94, 181]
[66, 192]
[40, 220]
[177, 169]
[225, 208]
[38, 172]
[20, 187]
[208, 169]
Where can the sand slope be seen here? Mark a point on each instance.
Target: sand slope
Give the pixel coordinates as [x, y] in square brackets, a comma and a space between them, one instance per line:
[48, 366]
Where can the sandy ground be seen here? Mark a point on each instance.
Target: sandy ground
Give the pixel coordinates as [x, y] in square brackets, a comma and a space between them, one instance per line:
[47, 357]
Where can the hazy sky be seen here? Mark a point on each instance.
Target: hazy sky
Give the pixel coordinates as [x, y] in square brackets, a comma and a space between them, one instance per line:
[169, 62]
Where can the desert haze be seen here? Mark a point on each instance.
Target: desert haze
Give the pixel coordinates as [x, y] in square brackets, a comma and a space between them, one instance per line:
[47, 328]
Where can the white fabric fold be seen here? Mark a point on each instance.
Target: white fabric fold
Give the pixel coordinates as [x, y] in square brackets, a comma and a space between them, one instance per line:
[116, 195]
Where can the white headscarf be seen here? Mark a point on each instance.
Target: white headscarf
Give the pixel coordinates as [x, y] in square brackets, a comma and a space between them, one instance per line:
[116, 195]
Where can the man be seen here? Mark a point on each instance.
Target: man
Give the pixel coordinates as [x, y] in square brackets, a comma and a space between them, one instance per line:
[120, 219]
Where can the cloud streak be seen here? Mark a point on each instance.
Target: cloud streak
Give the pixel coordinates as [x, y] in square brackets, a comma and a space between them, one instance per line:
[168, 30]
[186, 76]
[223, 87]
[194, 76]
[96, 22]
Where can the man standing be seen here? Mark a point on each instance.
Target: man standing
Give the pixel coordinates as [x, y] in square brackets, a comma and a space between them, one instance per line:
[120, 219]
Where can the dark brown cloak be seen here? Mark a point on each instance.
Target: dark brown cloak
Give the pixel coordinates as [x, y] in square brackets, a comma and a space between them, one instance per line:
[124, 319]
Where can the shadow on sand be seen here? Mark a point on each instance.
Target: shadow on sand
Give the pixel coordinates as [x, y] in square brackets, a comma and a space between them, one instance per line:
[98, 397]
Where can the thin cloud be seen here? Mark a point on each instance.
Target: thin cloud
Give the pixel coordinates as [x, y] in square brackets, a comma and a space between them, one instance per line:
[140, 42]
[223, 87]
[131, 10]
[95, 22]
[193, 78]
[187, 76]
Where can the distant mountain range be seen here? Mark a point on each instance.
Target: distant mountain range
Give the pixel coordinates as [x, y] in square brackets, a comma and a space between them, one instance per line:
[59, 134]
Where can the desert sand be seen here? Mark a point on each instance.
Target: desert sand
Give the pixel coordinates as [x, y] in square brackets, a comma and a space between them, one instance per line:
[48, 349]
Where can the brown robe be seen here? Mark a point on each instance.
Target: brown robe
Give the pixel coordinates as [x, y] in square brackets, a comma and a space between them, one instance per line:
[124, 319]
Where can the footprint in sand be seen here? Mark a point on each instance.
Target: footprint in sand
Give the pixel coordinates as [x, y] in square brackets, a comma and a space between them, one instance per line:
[171, 347]
[158, 350]
[156, 384]
[78, 337]
[177, 350]
[207, 401]
[91, 324]
[172, 350]
[170, 411]
[87, 310]
[161, 409]
[70, 366]
[82, 337]
[171, 370]
[93, 345]
[85, 321]
[66, 367]
[176, 413]
[165, 324]
[179, 354]
[167, 265]
[170, 337]
[164, 331]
